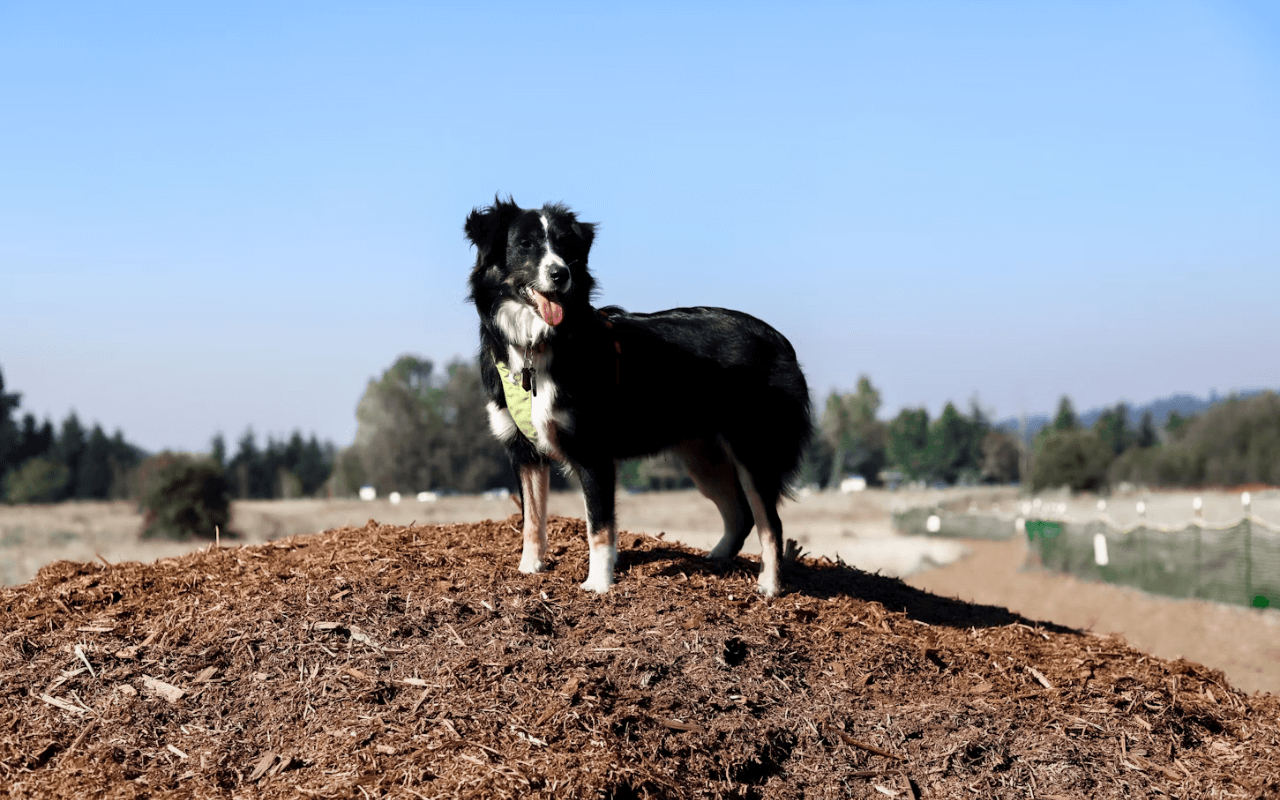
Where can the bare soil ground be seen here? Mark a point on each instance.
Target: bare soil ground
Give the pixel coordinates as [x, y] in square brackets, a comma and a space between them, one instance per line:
[395, 661]
[1242, 642]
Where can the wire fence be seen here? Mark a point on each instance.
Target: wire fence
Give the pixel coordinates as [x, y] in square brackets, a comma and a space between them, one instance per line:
[1237, 563]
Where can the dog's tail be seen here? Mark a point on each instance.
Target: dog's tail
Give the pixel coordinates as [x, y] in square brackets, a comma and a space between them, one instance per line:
[797, 429]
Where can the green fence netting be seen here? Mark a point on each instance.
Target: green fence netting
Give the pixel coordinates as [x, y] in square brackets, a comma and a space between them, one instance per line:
[1239, 564]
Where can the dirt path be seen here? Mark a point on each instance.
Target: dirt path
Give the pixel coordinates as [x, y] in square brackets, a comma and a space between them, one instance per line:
[1244, 643]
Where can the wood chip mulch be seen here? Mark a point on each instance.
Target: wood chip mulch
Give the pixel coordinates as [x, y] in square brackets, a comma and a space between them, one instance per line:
[390, 661]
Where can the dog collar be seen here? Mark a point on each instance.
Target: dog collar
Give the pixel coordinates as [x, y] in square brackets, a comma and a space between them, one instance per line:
[519, 402]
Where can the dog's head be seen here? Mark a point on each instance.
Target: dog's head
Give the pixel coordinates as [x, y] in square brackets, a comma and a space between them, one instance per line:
[531, 267]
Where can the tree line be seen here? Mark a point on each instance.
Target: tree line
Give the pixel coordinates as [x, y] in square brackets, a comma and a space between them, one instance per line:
[421, 428]
[1234, 442]
[283, 469]
[953, 448]
[43, 464]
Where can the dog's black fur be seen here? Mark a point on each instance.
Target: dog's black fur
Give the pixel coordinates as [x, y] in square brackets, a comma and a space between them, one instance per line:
[719, 387]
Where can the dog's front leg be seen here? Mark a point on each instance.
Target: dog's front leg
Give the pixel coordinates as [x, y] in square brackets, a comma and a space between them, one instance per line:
[602, 530]
[534, 479]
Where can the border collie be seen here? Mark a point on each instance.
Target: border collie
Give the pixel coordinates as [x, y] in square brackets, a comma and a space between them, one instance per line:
[587, 387]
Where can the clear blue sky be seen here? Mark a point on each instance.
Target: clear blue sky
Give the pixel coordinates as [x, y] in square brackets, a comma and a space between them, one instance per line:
[217, 215]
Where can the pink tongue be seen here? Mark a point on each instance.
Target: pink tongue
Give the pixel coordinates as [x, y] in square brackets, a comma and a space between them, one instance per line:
[551, 312]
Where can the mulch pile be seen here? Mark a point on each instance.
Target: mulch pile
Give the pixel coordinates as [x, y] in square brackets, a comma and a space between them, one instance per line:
[391, 661]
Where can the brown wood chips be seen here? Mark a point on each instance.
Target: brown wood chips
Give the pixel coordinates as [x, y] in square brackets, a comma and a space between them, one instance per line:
[393, 661]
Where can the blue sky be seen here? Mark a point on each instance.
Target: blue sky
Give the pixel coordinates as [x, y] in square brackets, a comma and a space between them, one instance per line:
[222, 215]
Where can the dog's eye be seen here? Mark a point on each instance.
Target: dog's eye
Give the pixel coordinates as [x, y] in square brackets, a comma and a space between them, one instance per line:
[526, 243]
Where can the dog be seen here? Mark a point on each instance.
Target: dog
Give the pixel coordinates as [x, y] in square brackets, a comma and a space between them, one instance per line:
[587, 387]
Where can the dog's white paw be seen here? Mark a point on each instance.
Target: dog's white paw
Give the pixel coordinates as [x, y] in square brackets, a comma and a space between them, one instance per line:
[597, 583]
[531, 563]
[768, 585]
[600, 569]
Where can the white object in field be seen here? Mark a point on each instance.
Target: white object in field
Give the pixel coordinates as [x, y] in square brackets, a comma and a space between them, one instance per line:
[1142, 507]
[1035, 503]
[855, 484]
[368, 493]
[900, 556]
[933, 524]
[1245, 498]
[427, 497]
[1196, 504]
[394, 497]
[1020, 525]
[1102, 505]
[1100, 550]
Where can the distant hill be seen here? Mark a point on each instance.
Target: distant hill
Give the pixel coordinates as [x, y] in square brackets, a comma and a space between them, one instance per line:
[1185, 404]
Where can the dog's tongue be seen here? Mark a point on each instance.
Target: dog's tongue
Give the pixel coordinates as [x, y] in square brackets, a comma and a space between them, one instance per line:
[550, 311]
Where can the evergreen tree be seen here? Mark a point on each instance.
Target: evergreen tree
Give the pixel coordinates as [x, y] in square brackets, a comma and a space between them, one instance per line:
[979, 427]
[313, 466]
[1113, 428]
[1065, 419]
[1147, 431]
[949, 444]
[94, 479]
[10, 439]
[70, 450]
[34, 441]
[124, 457]
[246, 469]
[908, 445]
[218, 451]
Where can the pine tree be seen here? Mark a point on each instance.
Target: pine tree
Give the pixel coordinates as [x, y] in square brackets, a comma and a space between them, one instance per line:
[1113, 428]
[1147, 431]
[10, 439]
[1066, 419]
[218, 450]
[949, 444]
[70, 450]
[94, 479]
[908, 436]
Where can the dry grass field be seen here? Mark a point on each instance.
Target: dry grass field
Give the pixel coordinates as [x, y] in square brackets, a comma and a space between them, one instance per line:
[855, 528]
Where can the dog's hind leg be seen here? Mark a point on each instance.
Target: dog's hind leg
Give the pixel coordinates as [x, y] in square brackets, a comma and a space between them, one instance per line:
[762, 491]
[534, 479]
[602, 528]
[716, 476]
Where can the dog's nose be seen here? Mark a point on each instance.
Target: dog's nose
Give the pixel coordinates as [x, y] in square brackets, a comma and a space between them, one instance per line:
[560, 276]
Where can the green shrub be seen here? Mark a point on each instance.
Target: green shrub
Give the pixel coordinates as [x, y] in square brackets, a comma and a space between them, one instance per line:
[183, 497]
[1074, 458]
[38, 480]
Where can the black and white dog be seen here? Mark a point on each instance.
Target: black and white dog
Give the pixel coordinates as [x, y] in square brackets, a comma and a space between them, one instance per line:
[587, 387]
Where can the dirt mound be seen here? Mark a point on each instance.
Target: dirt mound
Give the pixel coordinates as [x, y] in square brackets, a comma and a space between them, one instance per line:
[417, 662]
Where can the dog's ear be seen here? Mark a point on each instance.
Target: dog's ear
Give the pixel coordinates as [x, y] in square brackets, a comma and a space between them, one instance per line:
[487, 227]
[586, 231]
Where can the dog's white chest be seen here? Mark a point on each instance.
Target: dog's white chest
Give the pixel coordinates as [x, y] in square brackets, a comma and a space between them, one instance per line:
[548, 418]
